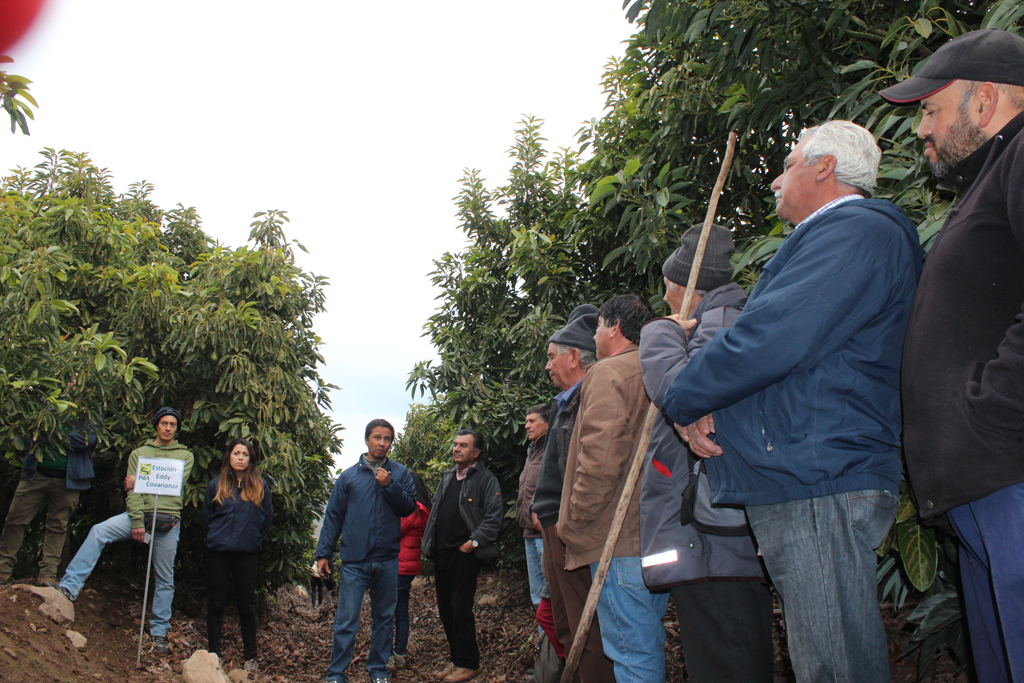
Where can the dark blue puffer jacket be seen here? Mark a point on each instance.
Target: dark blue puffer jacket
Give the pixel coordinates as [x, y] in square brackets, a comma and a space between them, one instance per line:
[236, 525]
[805, 386]
[366, 515]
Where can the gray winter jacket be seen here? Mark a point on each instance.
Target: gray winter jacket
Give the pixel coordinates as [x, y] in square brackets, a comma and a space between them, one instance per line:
[673, 554]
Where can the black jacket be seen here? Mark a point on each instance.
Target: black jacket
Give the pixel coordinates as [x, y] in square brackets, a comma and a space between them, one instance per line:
[236, 526]
[547, 499]
[963, 361]
[480, 507]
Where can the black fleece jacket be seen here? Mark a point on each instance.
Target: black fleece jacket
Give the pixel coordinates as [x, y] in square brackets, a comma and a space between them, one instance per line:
[963, 359]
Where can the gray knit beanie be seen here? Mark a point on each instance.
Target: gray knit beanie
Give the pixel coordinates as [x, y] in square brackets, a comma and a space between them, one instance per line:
[716, 268]
[579, 331]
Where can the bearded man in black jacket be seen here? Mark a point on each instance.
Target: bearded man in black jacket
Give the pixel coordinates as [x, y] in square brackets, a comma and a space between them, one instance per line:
[963, 363]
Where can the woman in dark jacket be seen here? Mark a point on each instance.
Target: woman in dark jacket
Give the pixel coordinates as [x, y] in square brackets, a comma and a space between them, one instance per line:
[237, 513]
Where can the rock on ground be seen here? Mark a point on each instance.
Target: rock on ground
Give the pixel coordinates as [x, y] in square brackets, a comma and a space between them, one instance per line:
[78, 641]
[54, 605]
[203, 667]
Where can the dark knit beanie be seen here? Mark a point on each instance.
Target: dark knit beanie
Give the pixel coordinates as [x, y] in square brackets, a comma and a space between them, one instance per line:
[715, 269]
[579, 331]
[167, 411]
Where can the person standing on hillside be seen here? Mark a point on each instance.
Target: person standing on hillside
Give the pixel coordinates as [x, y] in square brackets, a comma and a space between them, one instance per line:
[464, 523]
[963, 362]
[365, 510]
[571, 353]
[55, 480]
[136, 524]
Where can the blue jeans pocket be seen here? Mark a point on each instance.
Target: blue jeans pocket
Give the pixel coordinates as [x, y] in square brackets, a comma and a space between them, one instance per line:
[628, 573]
[872, 513]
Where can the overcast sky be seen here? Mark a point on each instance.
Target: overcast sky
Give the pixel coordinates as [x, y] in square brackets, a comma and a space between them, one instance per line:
[356, 119]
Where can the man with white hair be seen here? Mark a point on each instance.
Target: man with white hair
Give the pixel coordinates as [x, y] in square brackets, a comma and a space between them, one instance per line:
[797, 407]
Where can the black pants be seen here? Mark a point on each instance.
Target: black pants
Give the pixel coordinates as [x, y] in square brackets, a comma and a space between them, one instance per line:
[726, 631]
[455, 582]
[219, 568]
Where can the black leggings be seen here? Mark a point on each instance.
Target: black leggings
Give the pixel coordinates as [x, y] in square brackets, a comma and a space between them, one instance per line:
[219, 568]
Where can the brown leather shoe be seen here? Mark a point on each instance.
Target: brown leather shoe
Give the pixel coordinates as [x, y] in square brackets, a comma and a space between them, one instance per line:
[444, 671]
[461, 674]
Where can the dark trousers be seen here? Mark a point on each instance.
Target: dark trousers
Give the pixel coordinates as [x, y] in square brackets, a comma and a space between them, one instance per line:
[455, 583]
[220, 567]
[402, 614]
[726, 631]
[569, 592]
[991, 532]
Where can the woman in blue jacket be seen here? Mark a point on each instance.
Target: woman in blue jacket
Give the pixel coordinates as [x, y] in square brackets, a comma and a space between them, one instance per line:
[237, 513]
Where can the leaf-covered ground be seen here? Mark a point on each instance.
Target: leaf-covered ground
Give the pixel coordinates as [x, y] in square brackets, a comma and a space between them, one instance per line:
[295, 639]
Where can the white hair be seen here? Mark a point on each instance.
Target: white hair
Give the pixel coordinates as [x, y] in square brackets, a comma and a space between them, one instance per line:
[854, 148]
[587, 357]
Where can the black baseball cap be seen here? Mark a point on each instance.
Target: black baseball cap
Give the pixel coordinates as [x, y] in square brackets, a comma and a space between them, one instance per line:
[991, 55]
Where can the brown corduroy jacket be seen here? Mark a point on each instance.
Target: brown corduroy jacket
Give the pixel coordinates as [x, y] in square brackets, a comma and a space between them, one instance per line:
[613, 406]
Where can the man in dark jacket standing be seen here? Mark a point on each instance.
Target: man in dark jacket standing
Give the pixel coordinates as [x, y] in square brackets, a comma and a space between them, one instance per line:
[804, 388]
[464, 523]
[963, 363]
[55, 479]
[571, 352]
[366, 509]
[707, 558]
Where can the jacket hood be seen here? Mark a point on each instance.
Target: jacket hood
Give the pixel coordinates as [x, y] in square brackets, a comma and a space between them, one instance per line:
[909, 230]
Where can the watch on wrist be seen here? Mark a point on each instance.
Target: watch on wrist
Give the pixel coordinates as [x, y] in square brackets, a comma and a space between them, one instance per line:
[476, 543]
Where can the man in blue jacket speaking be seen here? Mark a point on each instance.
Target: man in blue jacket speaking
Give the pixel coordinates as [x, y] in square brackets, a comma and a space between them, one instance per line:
[802, 397]
[366, 509]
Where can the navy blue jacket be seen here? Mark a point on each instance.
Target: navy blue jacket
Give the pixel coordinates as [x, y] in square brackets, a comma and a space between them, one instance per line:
[805, 386]
[236, 525]
[366, 515]
[80, 472]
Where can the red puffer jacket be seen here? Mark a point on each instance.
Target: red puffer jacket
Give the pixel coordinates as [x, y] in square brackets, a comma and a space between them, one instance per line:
[409, 562]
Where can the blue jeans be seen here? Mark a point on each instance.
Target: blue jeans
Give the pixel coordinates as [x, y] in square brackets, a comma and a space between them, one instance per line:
[119, 528]
[534, 548]
[632, 634]
[991, 532]
[820, 553]
[382, 580]
[402, 614]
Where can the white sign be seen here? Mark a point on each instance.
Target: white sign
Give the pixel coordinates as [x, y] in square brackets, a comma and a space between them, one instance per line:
[161, 476]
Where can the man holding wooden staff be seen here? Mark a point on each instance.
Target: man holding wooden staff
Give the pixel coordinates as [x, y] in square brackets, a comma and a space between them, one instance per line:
[963, 373]
[571, 353]
[802, 397]
[613, 408]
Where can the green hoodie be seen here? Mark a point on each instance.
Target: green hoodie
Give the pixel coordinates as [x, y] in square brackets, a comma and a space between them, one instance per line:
[139, 504]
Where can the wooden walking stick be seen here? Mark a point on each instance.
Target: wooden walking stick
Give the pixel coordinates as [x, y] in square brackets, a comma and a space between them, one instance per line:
[587, 618]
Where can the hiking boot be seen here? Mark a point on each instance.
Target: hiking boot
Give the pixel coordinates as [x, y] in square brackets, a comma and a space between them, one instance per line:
[251, 667]
[396, 661]
[160, 645]
[461, 674]
[51, 583]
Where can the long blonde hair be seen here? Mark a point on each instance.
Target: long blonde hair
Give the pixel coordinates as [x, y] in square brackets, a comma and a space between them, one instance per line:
[250, 482]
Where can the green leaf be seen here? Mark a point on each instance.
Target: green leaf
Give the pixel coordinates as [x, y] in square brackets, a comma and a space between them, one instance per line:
[923, 27]
[632, 166]
[919, 553]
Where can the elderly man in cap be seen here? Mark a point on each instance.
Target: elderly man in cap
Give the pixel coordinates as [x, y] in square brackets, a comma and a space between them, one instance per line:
[963, 363]
[134, 524]
[704, 554]
[571, 353]
[804, 392]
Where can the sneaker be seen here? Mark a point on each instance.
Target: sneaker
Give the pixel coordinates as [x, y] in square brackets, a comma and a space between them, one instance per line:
[396, 661]
[160, 644]
[251, 667]
[51, 583]
[379, 680]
